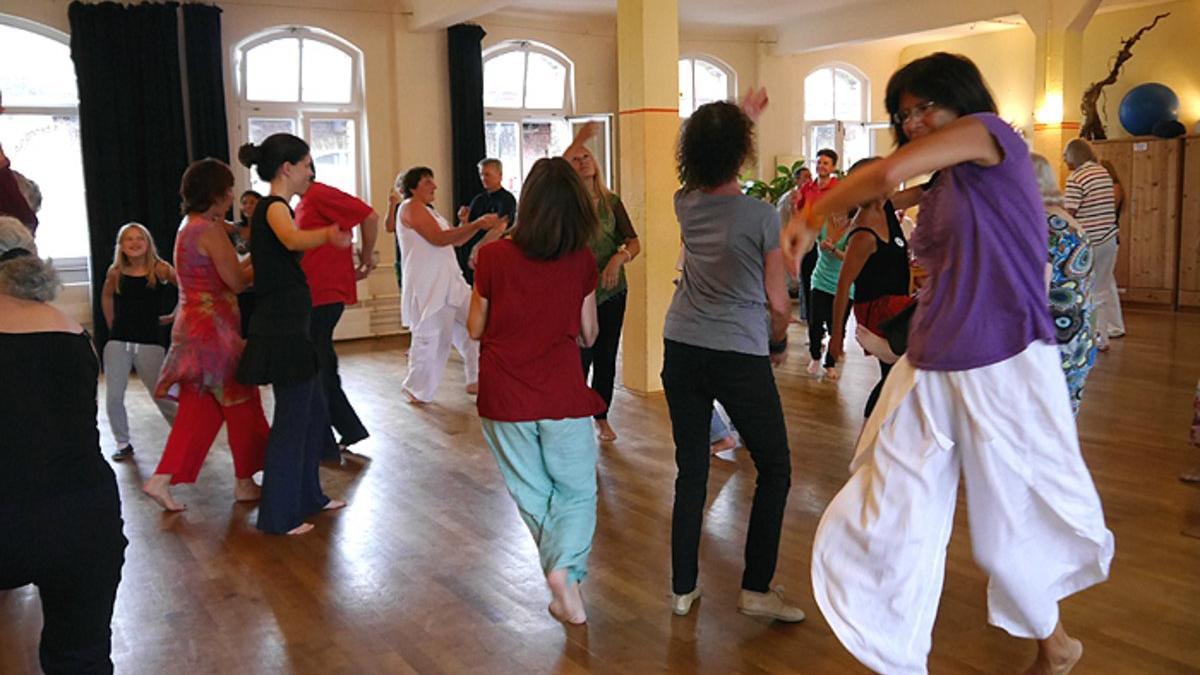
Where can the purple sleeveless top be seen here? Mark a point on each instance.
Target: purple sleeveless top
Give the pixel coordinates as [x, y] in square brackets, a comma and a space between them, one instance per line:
[981, 235]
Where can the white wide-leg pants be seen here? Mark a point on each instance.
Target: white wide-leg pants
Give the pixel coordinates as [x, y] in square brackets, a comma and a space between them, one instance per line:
[1037, 528]
[432, 338]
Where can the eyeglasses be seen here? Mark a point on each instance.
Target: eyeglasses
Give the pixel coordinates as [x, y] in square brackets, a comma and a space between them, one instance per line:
[916, 111]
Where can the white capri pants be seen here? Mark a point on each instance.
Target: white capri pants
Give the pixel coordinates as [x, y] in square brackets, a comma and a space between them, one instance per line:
[1037, 528]
[432, 337]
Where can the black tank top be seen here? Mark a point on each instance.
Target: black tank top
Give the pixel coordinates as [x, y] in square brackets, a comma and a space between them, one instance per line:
[282, 301]
[135, 311]
[886, 271]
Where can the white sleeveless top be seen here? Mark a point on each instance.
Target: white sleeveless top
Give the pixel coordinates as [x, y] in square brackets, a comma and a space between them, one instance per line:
[431, 278]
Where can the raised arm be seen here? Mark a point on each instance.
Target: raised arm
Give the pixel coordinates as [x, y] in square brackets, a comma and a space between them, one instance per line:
[963, 140]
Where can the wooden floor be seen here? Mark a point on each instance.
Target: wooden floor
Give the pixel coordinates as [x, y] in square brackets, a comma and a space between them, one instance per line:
[430, 569]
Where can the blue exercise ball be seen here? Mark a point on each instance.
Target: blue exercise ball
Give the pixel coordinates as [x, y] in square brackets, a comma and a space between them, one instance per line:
[1147, 105]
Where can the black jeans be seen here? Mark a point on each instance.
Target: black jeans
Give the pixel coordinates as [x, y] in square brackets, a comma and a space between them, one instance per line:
[341, 414]
[693, 377]
[601, 357]
[807, 264]
[820, 321]
[291, 489]
[71, 547]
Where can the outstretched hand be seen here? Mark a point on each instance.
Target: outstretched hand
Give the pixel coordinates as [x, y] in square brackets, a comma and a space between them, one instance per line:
[755, 102]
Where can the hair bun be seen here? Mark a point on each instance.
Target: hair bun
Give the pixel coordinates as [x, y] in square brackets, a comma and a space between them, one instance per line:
[249, 155]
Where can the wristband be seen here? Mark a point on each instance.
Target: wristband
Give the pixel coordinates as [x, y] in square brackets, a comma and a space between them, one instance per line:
[777, 347]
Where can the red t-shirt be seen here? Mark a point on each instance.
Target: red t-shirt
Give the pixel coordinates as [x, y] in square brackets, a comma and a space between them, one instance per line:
[329, 269]
[812, 191]
[529, 360]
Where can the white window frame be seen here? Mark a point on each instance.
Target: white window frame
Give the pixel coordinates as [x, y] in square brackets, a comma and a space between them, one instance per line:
[520, 115]
[300, 111]
[72, 270]
[731, 87]
[868, 127]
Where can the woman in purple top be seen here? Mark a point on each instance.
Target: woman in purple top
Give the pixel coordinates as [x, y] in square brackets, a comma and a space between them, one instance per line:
[980, 393]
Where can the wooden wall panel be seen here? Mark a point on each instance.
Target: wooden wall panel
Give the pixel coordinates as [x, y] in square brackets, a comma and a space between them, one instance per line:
[1189, 226]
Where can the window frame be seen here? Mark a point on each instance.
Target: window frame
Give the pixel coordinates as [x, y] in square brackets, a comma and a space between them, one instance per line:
[73, 270]
[300, 110]
[731, 79]
[521, 115]
[839, 124]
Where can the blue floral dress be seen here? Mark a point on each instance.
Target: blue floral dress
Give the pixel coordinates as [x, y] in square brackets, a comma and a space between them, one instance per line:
[1071, 303]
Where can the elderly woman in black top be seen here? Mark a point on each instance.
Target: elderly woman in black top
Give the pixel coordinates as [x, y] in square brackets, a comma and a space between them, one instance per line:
[60, 514]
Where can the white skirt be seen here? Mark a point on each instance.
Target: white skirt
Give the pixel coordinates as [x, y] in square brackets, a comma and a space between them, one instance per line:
[1037, 527]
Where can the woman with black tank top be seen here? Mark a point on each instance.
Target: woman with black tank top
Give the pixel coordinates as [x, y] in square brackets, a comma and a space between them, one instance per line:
[876, 264]
[132, 300]
[60, 512]
[279, 351]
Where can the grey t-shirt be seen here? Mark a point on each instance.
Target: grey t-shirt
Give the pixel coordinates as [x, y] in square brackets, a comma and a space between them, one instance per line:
[721, 302]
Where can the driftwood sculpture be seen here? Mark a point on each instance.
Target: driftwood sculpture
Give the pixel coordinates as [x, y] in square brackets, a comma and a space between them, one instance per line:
[1092, 128]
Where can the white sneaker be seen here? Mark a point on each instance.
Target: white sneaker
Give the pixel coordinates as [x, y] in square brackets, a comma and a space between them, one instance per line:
[814, 367]
[682, 604]
[769, 604]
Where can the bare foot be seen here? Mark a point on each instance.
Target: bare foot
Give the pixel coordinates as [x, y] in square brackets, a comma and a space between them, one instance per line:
[246, 490]
[302, 528]
[334, 505]
[411, 397]
[157, 489]
[1192, 476]
[831, 374]
[727, 443]
[567, 605]
[473, 388]
[606, 432]
[1057, 654]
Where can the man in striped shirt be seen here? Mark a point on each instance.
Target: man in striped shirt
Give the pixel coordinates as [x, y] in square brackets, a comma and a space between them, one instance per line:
[1089, 197]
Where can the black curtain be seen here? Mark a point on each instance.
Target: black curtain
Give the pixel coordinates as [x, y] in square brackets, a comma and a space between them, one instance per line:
[465, 46]
[206, 81]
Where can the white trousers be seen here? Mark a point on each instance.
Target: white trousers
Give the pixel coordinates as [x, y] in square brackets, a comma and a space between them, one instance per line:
[1107, 300]
[1037, 528]
[432, 337]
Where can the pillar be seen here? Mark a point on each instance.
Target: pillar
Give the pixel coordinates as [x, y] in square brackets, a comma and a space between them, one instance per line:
[648, 125]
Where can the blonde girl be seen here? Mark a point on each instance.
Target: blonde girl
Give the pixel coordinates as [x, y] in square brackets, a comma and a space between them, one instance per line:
[131, 301]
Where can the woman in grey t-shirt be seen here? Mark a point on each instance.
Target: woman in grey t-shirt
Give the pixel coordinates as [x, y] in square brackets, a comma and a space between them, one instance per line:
[726, 326]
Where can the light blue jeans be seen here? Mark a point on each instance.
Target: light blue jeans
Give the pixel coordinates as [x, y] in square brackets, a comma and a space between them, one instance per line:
[549, 467]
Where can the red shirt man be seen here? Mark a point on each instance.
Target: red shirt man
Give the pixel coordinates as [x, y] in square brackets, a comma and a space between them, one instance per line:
[332, 277]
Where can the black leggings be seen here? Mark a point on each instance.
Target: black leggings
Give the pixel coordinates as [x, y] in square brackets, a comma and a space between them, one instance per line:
[820, 321]
[693, 378]
[71, 547]
[601, 357]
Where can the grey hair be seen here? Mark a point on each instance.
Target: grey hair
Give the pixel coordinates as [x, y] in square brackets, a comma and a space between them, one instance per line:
[491, 161]
[1077, 152]
[27, 277]
[1047, 180]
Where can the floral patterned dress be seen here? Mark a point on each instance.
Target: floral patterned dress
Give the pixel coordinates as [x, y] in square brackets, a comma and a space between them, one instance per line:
[206, 341]
[1071, 302]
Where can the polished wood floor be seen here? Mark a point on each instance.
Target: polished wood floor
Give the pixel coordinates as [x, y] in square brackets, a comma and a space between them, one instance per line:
[430, 570]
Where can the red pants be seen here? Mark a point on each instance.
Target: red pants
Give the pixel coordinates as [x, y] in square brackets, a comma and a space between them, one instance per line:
[196, 425]
[871, 313]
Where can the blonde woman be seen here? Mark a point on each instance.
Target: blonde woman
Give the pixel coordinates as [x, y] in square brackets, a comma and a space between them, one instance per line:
[131, 300]
[614, 246]
[1071, 279]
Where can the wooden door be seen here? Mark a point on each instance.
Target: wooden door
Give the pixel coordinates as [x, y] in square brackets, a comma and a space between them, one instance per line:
[1189, 226]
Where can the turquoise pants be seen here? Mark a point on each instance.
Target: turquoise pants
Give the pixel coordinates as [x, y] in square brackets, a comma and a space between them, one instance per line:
[549, 467]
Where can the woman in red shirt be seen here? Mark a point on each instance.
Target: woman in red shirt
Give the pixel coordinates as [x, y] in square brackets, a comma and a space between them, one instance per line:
[533, 306]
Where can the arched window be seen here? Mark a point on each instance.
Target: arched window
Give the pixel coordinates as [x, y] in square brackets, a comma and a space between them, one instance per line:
[528, 99]
[704, 79]
[40, 133]
[307, 82]
[837, 113]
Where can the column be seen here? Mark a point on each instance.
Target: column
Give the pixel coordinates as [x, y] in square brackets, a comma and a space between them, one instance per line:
[648, 124]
